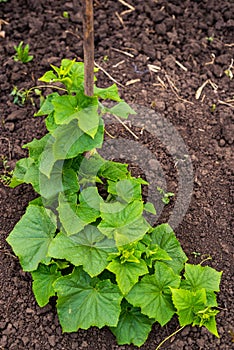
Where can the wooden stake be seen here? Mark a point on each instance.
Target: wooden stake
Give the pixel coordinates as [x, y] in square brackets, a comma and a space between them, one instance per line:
[88, 47]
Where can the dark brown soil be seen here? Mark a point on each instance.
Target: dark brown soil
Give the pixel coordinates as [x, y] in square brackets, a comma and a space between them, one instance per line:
[197, 34]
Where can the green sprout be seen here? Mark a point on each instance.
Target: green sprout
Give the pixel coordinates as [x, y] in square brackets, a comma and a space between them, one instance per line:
[22, 53]
[65, 14]
[6, 173]
[165, 195]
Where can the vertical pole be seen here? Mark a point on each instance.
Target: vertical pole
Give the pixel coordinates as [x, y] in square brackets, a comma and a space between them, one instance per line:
[88, 47]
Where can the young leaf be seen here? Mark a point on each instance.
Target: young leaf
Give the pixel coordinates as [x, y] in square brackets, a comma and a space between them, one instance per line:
[48, 77]
[152, 293]
[198, 277]
[84, 302]
[188, 304]
[149, 207]
[68, 216]
[133, 327]
[127, 273]
[122, 110]
[32, 235]
[43, 279]
[83, 108]
[164, 236]
[110, 93]
[114, 171]
[88, 248]
[129, 190]
[47, 106]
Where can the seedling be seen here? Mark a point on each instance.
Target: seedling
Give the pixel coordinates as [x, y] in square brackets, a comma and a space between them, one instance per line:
[97, 254]
[165, 195]
[6, 173]
[210, 39]
[22, 53]
[65, 14]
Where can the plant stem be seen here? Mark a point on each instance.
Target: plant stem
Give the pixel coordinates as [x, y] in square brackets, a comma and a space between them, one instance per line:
[88, 48]
[171, 335]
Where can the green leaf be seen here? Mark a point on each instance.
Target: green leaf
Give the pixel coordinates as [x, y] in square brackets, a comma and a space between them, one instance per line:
[149, 207]
[133, 327]
[127, 273]
[84, 302]
[48, 77]
[43, 279]
[68, 216]
[36, 147]
[110, 93]
[32, 235]
[89, 207]
[126, 233]
[114, 171]
[128, 190]
[62, 179]
[152, 293]
[206, 318]
[188, 303]
[70, 140]
[47, 106]
[21, 168]
[198, 277]
[123, 222]
[119, 214]
[81, 107]
[88, 248]
[164, 236]
[122, 110]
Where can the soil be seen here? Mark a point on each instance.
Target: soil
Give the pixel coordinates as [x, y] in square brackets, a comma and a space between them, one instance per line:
[190, 42]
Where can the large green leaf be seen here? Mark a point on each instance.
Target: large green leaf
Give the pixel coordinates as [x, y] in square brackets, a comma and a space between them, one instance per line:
[88, 248]
[188, 304]
[81, 107]
[122, 110]
[127, 189]
[164, 236]
[133, 327]
[70, 140]
[152, 293]
[89, 207]
[84, 302]
[43, 279]
[47, 106]
[114, 171]
[118, 214]
[198, 277]
[68, 216]
[127, 273]
[32, 235]
[127, 233]
[62, 179]
[109, 93]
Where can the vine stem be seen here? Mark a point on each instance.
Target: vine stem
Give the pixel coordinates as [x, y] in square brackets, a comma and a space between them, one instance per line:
[171, 335]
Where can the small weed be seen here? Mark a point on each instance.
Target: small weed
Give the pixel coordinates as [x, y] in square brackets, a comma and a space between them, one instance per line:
[22, 53]
[196, 254]
[6, 173]
[165, 195]
[105, 58]
[21, 96]
[65, 14]
[210, 39]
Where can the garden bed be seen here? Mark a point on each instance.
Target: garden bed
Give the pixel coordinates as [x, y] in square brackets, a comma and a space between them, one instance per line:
[161, 53]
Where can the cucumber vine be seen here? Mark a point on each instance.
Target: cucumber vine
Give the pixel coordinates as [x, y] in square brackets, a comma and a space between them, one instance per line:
[85, 239]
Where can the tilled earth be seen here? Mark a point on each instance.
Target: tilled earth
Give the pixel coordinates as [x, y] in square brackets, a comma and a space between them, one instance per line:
[171, 57]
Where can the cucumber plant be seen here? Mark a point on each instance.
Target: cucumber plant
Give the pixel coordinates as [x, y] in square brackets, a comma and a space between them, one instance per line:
[85, 239]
